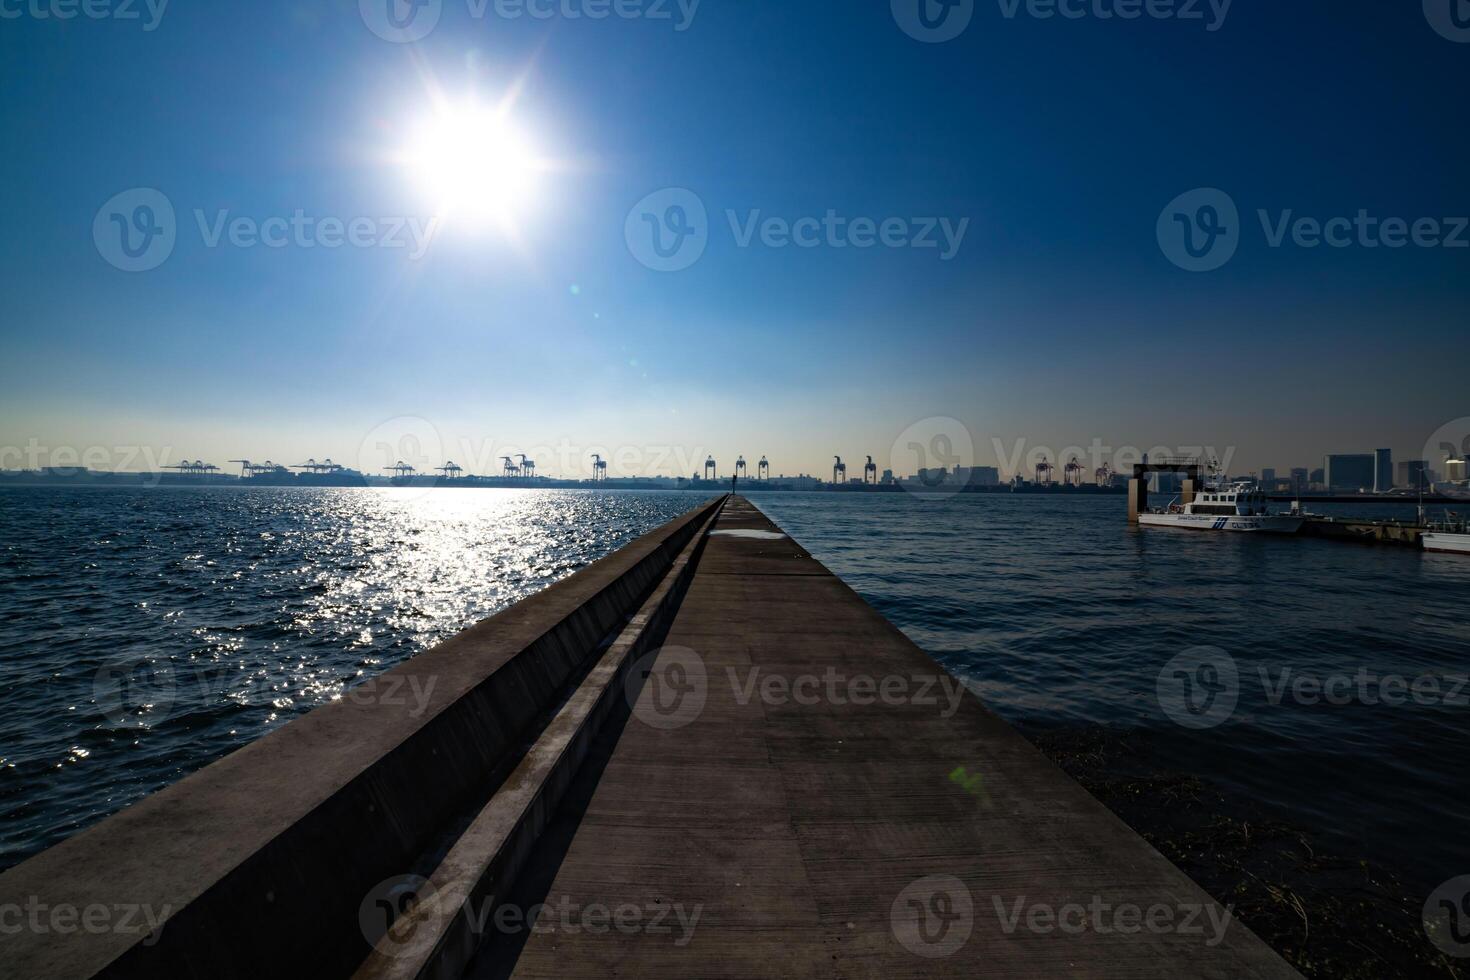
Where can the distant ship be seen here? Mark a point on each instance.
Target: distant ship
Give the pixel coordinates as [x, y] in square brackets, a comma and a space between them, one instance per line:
[1239, 507]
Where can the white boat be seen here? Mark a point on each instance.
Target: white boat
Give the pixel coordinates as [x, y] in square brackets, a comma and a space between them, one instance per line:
[1448, 535]
[1239, 507]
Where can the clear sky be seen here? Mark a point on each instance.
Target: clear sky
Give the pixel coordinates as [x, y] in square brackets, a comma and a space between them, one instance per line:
[536, 317]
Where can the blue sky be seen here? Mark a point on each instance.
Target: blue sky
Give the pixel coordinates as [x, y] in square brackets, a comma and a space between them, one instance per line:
[1058, 320]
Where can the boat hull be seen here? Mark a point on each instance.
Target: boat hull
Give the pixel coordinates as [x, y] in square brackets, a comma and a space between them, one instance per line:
[1260, 523]
[1446, 541]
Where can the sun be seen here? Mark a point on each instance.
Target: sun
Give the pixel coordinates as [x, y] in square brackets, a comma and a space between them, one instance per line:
[475, 165]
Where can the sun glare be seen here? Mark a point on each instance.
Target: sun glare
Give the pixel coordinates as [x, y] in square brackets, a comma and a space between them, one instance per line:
[474, 164]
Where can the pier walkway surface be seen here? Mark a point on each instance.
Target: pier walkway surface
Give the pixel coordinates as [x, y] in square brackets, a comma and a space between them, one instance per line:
[702, 756]
[799, 772]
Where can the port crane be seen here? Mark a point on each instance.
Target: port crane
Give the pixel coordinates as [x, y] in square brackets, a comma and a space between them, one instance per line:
[401, 470]
[599, 467]
[870, 471]
[528, 466]
[249, 469]
[326, 466]
[763, 469]
[194, 468]
[740, 467]
[1104, 475]
[1072, 473]
[510, 469]
[839, 468]
[451, 470]
[1043, 472]
[711, 472]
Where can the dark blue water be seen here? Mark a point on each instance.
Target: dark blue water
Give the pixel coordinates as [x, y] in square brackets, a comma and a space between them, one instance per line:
[236, 610]
[1062, 615]
[145, 633]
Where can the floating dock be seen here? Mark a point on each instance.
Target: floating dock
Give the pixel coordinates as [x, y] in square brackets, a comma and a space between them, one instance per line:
[703, 756]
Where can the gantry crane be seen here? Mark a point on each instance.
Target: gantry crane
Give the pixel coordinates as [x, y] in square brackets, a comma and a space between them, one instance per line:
[194, 468]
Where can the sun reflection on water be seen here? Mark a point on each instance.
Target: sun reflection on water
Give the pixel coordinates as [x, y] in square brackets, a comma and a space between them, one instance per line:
[145, 633]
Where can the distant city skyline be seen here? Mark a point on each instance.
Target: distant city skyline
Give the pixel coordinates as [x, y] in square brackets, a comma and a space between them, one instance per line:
[426, 446]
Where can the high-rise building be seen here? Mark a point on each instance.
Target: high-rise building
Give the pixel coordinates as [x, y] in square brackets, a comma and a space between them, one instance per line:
[1300, 478]
[1382, 470]
[1268, 476]
[1454, 470]
[1350, 472]
[1315, 478]
[1411, 472]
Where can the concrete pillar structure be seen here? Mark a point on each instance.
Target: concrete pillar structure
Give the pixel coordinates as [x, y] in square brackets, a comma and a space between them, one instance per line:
[1137, 497]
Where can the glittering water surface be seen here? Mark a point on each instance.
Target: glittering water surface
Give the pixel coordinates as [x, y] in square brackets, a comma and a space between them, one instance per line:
[146, 632]
[1062, 615]
[235, 610]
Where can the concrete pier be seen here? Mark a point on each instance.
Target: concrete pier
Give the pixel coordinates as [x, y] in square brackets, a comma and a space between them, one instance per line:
[729, 765]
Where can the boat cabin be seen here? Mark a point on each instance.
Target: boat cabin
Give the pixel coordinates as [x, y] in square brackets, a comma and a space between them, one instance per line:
[1238, 500]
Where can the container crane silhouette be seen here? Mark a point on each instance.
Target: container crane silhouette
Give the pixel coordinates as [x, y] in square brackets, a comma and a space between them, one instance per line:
[763, 469]
[510, 469]
[870, 471]
[740, 467]
[599, 468]
[451, 470]
[247, 468]
[528, 466]
[839, 468]
[312, 466]
[711, 472]
[401, 470]
[1103, 475]
[1043, 472]
[1072, 473]
[193, 468]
